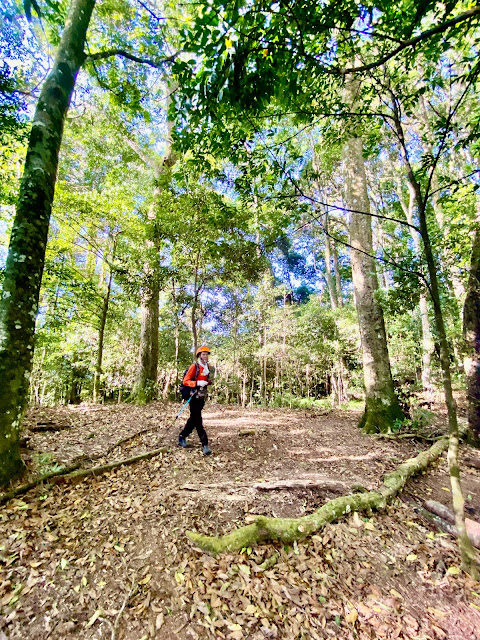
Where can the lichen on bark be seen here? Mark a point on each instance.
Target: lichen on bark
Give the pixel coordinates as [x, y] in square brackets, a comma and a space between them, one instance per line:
[26, 254]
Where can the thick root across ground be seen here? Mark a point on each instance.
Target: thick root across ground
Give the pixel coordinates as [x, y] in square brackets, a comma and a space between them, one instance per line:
[288, 530]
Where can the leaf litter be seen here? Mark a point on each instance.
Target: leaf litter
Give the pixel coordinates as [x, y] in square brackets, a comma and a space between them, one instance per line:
[107, 557]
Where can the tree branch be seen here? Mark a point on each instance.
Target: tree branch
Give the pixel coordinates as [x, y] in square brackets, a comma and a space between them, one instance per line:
[467, 15]
[109, 53]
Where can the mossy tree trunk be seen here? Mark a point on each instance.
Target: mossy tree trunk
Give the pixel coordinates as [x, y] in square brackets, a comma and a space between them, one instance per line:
[381, 404]
[471, 332]
[466, 548]
[26, 255]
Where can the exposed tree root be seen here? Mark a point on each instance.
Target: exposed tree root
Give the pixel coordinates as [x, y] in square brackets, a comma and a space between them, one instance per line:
[268, 563]
[70, 473]
[19, 491]
[406, 436]
[302, 483]
[95, 471]
[251, 432]
[288, 530]
[49, 426]
[123, 441]
[443, 512]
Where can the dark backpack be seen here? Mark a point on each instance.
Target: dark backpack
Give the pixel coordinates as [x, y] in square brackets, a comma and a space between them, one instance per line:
[184, 390]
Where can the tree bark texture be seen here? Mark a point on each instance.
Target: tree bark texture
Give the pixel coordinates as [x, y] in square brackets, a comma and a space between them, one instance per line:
[26, 255]
[471, 332]
[381, 404]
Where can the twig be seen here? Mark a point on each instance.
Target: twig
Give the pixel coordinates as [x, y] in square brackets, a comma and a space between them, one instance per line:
[123, 441]
[131, 593]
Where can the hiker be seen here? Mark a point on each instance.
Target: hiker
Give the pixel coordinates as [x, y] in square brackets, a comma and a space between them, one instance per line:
[197, 378]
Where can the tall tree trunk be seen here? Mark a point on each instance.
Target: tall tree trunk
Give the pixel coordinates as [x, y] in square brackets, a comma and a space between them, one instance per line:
[265, 365]
[328, 269]
[338, 278]
[101, 338]
[451, 277]
[26, 255]
[146, 380]
[427, 340]
[466, 548]
[196, 292]
[145, 384]
[471, 332]
[381, 404]
[177, 332]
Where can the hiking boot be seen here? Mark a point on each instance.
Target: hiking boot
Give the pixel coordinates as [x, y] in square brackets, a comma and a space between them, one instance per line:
[206, 450]
[182, 442]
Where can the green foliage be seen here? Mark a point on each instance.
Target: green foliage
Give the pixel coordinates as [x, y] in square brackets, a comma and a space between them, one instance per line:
[234, 232]
[45, 463]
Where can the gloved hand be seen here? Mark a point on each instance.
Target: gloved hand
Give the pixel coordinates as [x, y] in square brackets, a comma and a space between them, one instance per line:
[202, 383]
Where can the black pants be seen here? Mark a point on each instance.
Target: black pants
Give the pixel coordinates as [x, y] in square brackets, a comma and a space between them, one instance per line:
[195, 421]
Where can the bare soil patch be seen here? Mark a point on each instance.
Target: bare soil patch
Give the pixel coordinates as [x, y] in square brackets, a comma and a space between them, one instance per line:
[107, 557]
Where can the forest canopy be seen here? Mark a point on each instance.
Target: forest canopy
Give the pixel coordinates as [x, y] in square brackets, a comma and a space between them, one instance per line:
[204, 164]
[293, 183]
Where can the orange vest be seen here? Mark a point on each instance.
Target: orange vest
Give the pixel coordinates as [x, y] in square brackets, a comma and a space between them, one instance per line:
[190, 380]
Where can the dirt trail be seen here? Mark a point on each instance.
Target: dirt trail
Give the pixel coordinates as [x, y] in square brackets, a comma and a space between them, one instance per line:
[108, 557]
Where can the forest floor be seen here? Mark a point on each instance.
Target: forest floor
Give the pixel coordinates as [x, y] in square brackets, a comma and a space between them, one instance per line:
[107, 556]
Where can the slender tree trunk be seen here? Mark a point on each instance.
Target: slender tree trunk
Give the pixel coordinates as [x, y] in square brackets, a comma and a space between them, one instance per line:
[194, 318]
[427, 345]
[466, 548]
[471, 332]
[26, 255]
[101, 337]
[177, 332]
[148, 361]
[168, 380]
[381, 404]
[454, 283]
[328, 269]
[338, 278]
[146, 381]
[427, 340]
[265, 365]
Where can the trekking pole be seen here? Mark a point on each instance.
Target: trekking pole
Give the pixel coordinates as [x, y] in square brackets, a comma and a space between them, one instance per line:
[181, 410]
[169, 426]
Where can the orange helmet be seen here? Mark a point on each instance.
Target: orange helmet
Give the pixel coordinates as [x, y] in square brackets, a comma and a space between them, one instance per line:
[203, 349]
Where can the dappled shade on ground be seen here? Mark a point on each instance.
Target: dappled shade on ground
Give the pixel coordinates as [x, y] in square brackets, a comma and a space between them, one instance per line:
[75, 554]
